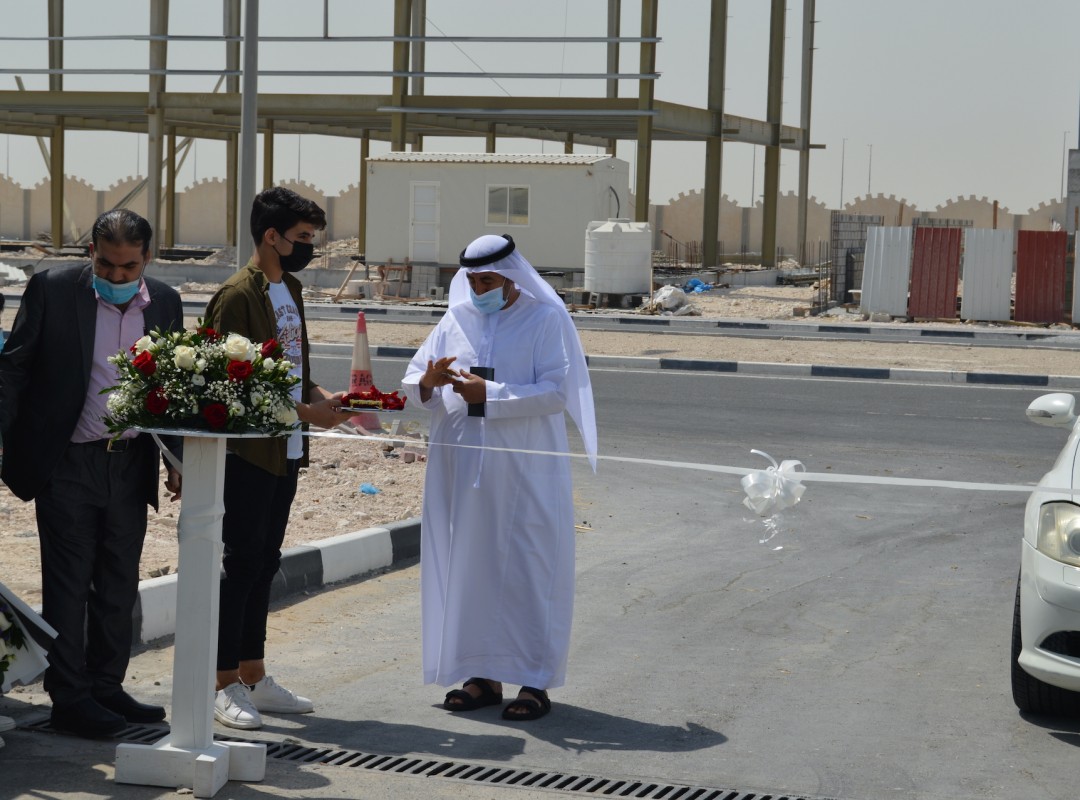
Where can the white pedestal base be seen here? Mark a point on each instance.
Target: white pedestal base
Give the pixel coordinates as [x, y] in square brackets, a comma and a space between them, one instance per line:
[203, 771]
[189, 756]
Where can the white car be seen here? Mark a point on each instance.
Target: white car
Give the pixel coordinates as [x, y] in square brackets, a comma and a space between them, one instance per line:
[1046, 619]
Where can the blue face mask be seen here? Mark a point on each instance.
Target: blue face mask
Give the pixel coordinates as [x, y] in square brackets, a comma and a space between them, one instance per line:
[490, 301]
[116, 293]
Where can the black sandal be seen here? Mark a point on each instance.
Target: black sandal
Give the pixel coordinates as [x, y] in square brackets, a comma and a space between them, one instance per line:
[533, 709]
[466, 702]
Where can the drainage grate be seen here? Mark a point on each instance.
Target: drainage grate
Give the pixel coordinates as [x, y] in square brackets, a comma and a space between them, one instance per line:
[473, 773]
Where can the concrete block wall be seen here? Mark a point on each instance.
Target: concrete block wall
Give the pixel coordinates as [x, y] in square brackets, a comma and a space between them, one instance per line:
[847, 234]
[424, 279]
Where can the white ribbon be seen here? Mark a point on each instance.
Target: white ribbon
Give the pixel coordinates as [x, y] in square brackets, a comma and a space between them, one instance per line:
[771, 490]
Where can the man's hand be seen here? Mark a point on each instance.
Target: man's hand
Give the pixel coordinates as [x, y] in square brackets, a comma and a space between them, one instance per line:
[321, 412]
[472, 388]
[438, 373]
[173, 483]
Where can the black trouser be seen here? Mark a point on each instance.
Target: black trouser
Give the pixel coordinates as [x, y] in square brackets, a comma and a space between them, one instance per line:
[257, 506]
[91, 518]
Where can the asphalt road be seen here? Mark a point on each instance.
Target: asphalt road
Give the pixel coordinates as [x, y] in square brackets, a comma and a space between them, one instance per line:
[857, 649]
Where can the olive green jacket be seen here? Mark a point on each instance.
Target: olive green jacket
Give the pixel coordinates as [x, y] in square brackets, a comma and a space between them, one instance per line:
[242, 305]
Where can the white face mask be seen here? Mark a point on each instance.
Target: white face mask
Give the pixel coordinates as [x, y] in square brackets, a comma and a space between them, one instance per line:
[490, 301]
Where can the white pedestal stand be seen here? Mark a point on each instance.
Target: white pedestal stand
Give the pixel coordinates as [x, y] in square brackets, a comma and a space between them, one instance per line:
[188, 756]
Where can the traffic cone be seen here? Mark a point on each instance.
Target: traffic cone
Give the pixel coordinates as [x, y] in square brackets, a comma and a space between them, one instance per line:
[360, 379]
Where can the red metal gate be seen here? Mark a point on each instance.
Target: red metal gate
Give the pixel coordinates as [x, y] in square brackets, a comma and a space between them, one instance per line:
[935, 272]
[1040, 276]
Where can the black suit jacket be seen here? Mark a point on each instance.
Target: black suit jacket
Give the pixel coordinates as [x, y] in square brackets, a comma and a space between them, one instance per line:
[45, 372]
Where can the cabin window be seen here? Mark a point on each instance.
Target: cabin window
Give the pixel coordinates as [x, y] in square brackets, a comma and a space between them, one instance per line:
[507, 205]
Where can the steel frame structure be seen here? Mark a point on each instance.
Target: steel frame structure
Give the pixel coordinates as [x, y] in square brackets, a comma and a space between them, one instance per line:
[407, 115]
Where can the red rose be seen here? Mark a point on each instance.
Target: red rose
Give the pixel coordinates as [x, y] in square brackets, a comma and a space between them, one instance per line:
[208, 332]
[156, 401]
[144, 363]
[270, 349]
[216, 415]
[239, 370]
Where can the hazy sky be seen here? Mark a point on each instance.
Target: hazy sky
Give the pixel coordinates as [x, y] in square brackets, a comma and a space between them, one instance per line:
[935, 98]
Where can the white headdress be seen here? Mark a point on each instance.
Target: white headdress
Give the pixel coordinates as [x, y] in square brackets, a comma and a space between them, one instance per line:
[499, 254]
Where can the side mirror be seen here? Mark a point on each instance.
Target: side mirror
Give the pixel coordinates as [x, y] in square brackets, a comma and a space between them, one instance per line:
[1056, 410]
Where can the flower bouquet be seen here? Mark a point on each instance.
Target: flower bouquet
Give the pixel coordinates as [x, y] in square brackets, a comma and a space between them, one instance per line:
[24, 637]
[202, 380]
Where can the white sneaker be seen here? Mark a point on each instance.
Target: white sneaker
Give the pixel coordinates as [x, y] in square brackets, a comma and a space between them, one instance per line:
[267, 695]
[233, 708]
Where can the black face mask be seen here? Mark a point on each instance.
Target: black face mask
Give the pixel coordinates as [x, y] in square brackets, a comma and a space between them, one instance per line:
[300, 257]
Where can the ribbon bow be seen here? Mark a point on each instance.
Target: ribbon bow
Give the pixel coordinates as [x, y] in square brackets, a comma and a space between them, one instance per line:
[773, 489]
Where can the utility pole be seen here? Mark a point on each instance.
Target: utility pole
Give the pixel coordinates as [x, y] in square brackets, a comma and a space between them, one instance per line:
[869, 167]
[843, 156]
[1064, 156]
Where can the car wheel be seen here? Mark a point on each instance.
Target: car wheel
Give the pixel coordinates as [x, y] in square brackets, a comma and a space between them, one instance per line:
[1030, 694]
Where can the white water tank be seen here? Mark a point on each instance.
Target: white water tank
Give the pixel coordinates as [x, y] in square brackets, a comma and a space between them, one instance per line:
[618, 257]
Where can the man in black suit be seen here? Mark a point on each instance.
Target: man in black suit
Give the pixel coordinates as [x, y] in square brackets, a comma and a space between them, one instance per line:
[90, 492]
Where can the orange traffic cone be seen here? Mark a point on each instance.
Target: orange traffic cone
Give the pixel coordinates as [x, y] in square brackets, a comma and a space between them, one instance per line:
[360, 376]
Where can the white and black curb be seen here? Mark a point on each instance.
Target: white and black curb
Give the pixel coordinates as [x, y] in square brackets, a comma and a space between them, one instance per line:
[1062, 382]
[1066, 382]
[309, 566]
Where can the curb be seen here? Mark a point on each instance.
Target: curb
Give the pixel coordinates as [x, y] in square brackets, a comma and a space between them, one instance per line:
[1064, 382]
[1067, 382]
[309, 566]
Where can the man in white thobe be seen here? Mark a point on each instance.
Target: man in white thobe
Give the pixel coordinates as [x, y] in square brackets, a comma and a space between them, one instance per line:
[497, 541]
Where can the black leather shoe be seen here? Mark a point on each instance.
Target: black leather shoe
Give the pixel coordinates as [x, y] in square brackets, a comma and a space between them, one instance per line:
[86, 718]
[131, 709]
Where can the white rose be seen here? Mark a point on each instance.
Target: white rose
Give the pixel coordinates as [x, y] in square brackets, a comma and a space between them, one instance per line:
[268, 364]
[286, 416]
[236, 409]
[256, 399]
[184, 357]
[143, 344]
[200, 365]
[5, 623]
[198, 380]
[239, 348]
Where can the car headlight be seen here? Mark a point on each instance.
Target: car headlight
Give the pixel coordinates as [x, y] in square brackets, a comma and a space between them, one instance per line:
[1059, 532]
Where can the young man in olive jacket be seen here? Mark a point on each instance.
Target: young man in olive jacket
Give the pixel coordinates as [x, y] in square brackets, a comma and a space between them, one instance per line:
[263, 301]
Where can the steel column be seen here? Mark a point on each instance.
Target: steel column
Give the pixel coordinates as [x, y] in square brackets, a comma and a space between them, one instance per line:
[365, 151]
[645, 103]
[418, 58]
[232, 87]
[170, 190]
[614, 25]
[400, 87]
[155, 119]
[804, 123]
[56, 151]
[268, 155]
[773, 116]
[714, 145]
[249, 130]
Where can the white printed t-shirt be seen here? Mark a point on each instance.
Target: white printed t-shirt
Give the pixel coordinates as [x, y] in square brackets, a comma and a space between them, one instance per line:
[287, 319]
